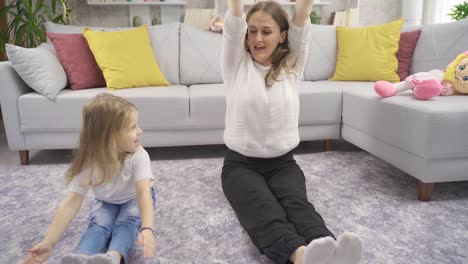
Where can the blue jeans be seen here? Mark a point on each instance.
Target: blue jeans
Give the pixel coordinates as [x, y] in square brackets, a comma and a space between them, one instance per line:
[112, 226]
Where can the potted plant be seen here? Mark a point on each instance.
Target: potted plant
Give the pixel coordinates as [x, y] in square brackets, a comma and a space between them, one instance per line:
[26, 27]
[459, 11]
[314, 17]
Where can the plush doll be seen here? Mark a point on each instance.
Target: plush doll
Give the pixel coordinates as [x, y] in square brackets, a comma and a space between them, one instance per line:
[426, 85]
[216, 24]
[457, 74]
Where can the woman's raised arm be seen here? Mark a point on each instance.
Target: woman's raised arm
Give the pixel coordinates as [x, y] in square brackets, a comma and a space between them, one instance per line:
[302, 10]
[236, 7]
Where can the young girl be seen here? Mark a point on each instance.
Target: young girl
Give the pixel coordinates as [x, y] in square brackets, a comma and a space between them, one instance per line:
[111, 162]
[263, 61]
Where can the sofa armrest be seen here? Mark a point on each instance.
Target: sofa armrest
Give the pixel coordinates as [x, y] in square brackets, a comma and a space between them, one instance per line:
[12, 87]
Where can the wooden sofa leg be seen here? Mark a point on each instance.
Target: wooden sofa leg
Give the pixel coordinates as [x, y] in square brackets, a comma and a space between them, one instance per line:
[24, 157]
[425, 191]
[328, 145]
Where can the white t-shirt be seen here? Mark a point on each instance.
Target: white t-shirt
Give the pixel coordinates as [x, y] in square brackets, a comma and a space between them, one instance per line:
[261, 121]
[121, 189]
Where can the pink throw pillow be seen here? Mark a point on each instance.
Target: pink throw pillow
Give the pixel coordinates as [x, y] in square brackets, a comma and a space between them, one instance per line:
[77, 60]
[408, 41]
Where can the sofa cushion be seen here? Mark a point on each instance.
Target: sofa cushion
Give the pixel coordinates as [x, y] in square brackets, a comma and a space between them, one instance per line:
[320, 104]
[207, 105]
[408, 42]
[368, 53]
[160, 108]
[322, 53]
[439, 44]
[433, 129]
[200, 53]
[164, 41]
[77, 60]
[128, 64]
[39, 68]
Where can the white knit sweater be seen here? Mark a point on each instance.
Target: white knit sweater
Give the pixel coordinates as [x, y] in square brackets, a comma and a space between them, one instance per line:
[260, 121]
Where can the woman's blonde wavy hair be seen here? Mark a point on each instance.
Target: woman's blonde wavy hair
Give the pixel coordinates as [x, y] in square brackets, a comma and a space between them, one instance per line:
[104, 119]
[279, 58]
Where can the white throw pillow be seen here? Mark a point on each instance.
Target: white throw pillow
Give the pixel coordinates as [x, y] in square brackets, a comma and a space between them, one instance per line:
[39, 68]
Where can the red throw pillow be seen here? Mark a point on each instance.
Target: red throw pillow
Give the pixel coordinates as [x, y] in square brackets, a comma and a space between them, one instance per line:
[408, 41]
[77, 60]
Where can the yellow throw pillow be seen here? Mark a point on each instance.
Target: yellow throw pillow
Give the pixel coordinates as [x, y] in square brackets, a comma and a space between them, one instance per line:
[368, 53]
[125, 58]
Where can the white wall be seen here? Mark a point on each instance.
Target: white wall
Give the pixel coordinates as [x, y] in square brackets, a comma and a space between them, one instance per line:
[371, 12]
[436, 11]
[112, 16]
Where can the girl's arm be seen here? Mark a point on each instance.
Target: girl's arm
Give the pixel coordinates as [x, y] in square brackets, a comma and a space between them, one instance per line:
[236, 7]
[302, 11]
[64, 215]
[145, 205]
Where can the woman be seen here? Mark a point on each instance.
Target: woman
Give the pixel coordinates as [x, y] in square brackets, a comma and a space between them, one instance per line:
[263, 61]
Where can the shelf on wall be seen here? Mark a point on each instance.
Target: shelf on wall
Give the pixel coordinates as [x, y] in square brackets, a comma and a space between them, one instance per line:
[171, 10]
[291, 3]
[180, 3]
[288, 6]
[347, 17]
[221, 6]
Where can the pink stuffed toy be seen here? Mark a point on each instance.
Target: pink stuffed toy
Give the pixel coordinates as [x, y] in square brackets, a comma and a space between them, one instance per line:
[425, 85]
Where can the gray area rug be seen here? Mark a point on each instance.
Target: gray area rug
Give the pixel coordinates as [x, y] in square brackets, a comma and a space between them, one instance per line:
[352, 190]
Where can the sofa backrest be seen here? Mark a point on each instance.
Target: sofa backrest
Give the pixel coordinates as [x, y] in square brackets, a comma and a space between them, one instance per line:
[440, 44]
[322, 53]
[189, 55]
[164, 41]
[200, 56]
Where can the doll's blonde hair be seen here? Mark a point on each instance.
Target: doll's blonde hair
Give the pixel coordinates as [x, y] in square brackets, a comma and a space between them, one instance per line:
[450, 71]
[104, 119]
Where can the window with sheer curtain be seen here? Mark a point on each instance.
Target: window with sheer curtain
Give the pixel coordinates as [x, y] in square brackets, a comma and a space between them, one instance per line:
[437, 11]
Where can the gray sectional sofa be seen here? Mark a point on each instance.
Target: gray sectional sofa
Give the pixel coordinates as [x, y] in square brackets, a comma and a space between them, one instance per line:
[426, 139]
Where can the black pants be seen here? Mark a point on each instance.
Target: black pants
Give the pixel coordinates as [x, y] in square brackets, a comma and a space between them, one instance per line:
[270, 200]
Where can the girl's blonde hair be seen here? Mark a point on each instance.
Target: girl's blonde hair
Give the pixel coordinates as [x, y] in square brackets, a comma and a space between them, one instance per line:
[279, 58]
[104, 119]
[450, 71]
